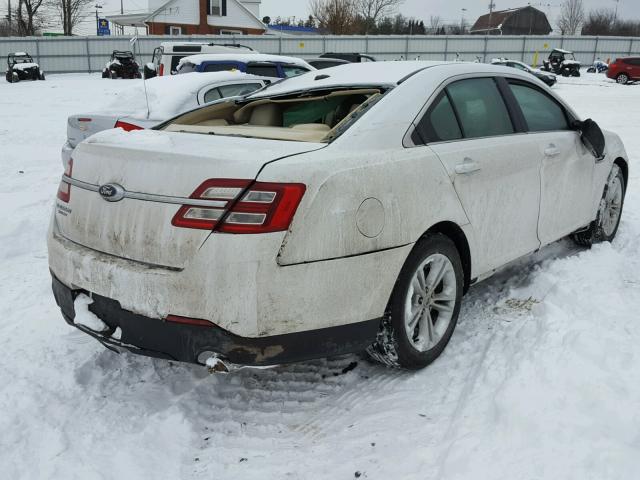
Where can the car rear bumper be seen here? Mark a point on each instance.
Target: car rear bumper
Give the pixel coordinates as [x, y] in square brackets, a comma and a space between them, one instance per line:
[196, 343]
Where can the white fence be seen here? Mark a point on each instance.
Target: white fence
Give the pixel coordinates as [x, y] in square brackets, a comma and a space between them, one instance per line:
[89, 54]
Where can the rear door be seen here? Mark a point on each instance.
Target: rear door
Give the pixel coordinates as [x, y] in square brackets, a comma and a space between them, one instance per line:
[493, 167]
[567, 166]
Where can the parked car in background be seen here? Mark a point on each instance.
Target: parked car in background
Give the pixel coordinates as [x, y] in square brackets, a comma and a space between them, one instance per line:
[548, 78]
[167, 56]
[325, 214]
[322, 63]
[20, 66]
[625, 70]
[562, 62]
[349, 57]
[122, 65]
[255, 64]
[168, 96]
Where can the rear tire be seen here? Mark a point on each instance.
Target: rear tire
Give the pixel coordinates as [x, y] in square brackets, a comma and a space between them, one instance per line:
[622, 79]
[42, 77]
[605, 227]
[424, 306]
[113, 75]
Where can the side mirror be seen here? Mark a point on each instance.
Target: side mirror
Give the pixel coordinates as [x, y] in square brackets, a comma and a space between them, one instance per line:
[150, 70]
[592, 137]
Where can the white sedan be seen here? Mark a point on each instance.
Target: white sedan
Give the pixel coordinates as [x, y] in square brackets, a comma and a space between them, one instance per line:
[143, 106]
[338, 211]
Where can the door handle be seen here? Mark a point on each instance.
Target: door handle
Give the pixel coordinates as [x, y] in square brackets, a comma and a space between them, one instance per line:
[468, 166]
[552, 151]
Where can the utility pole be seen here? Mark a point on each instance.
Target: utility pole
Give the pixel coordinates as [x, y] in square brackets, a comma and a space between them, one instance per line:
[121, 7]
[9, 18]
[615, 15]
[492, 6]
[97, 19]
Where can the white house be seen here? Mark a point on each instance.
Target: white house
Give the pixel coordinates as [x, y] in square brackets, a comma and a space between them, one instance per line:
[197, 17]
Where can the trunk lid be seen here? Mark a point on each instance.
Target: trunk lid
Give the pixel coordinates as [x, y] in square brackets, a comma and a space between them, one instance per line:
[159, 164]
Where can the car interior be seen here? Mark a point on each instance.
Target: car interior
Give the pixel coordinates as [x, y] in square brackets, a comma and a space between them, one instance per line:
[304, 119]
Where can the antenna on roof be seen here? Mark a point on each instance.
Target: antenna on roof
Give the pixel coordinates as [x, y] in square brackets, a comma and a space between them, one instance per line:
[134, 42]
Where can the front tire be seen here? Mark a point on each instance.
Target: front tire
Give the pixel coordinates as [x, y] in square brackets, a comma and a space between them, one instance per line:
[424, 306]
[605, 227]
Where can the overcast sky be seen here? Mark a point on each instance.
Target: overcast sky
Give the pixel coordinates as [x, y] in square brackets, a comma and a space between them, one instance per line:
[451, 10]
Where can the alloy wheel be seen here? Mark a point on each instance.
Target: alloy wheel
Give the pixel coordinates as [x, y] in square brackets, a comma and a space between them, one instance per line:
[430, 302]
[612, 206]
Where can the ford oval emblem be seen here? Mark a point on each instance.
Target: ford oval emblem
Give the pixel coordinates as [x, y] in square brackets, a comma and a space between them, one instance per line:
[111, 192]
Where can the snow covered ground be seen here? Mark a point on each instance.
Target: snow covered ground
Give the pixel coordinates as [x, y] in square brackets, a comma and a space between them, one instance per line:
[540, 381]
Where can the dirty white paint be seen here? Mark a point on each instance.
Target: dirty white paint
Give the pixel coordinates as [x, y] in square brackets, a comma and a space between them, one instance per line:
[324, 271]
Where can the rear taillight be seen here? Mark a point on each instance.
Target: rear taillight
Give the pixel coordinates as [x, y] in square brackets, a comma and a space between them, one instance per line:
[243, 206]
[189, 321]
[127, 127]
[161, 70]
[64, 190]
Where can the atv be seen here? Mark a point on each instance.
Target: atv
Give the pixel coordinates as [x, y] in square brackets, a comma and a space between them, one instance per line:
[598, 67]
[122, 65]
[562, 62]
[20, 66]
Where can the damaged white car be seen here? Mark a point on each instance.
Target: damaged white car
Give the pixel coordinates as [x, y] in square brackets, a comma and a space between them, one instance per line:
[339, 211]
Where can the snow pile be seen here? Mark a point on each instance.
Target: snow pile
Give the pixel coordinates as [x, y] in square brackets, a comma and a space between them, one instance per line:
[541, 379]
[168, 95]
[86, 317]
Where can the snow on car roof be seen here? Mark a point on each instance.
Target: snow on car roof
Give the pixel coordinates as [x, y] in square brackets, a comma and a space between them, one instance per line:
[562, 51]
[244, 58]
[20, 54]
[352, 74]
[168, 95]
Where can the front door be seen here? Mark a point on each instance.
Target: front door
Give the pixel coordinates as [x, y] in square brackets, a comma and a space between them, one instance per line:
[567, 166]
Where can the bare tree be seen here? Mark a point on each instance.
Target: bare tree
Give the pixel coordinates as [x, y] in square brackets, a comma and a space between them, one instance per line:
[435, 22]
[599, 22]
[371, 11]
[335, 16]
[29, 16]
[571, 17]
[71, 13]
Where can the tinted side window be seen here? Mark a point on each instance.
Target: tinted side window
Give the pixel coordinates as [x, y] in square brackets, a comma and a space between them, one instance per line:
[290, 71]
[263, 70]
[480, 108]
[541, 112]
[439, 123]
[220, 67]
[240, 89]
[212, 95]
[175, 60]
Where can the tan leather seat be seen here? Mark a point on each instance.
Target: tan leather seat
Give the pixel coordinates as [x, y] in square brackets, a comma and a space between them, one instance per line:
[268, 115]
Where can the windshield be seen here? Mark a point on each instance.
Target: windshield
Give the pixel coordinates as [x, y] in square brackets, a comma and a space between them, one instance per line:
[305, 117]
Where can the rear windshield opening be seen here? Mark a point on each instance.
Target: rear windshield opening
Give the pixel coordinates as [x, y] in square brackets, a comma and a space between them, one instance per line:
[317, 118]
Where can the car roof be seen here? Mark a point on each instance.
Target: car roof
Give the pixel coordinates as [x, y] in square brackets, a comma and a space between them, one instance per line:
[242, 58]
[561, 50]
[382, 74]
[351, 74]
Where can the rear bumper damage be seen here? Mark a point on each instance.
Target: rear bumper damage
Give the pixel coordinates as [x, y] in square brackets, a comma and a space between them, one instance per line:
[198, 343]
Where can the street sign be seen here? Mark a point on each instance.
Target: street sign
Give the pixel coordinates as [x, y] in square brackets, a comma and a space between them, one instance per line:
[103, 27]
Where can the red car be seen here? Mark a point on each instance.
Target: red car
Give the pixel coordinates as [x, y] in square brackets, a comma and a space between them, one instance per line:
[625, 70]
